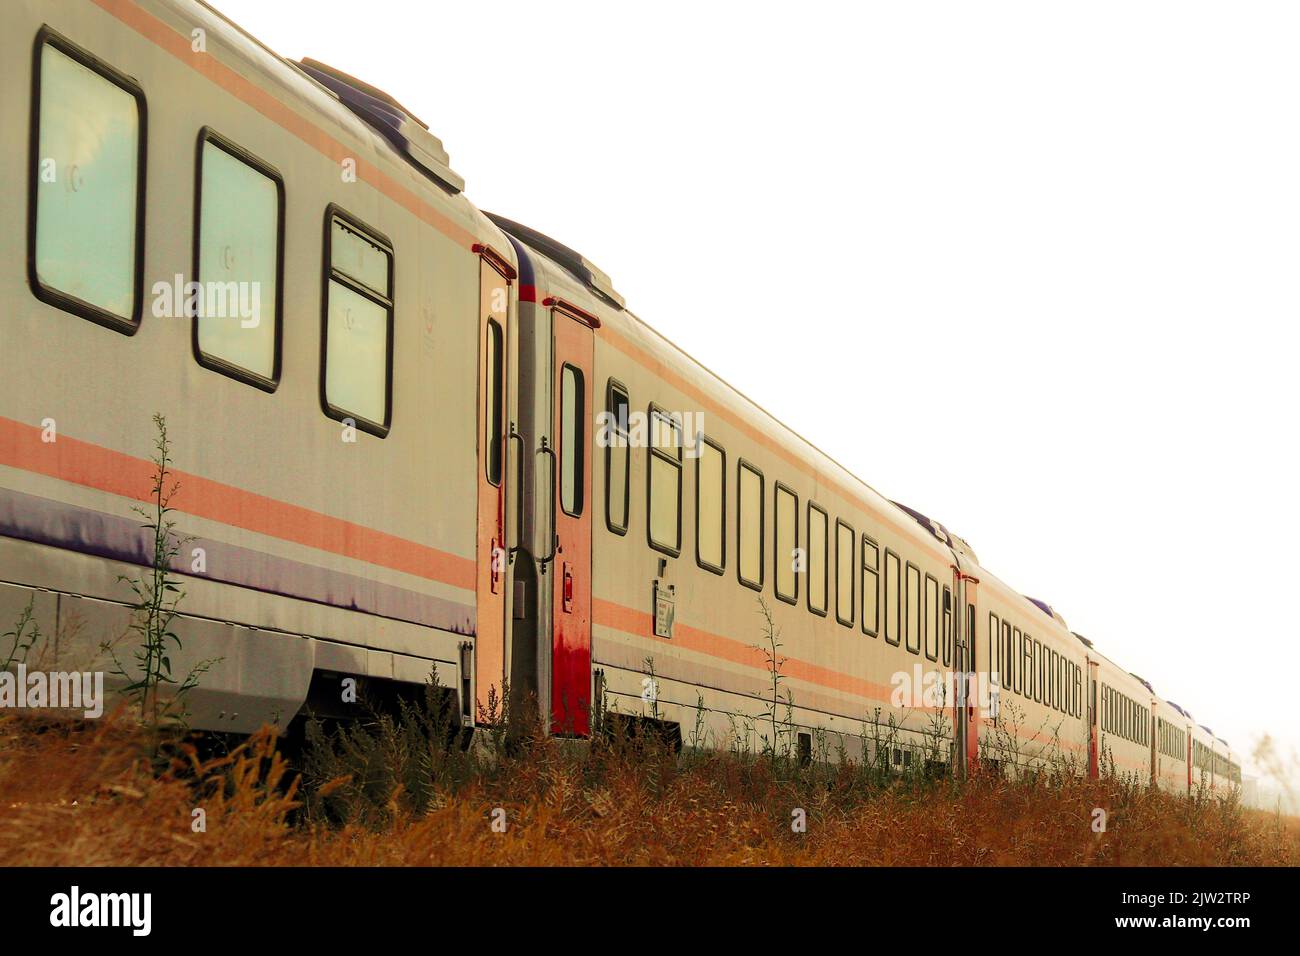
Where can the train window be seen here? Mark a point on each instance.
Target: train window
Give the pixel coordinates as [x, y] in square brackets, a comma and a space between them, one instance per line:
[870, 587]
[1014, 667]
[494, 373]
[664, 483]
[932, 619]
[996, 664]
[573, 438]
[1053, 682]
[845, 562]
[358, 329]
[817, 562]
[618, 453]
[749, 526]
[238, 263]
[912, 609]
[893, 599]
[86, 235]
[947, 626]
[1025, 679]
[785, 552]
[711, 506]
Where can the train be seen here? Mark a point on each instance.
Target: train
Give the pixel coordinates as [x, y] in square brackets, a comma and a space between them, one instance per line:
[414, 438]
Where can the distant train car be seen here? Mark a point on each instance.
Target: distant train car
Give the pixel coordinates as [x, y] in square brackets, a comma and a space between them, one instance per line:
[1171, 744]
[412, 436]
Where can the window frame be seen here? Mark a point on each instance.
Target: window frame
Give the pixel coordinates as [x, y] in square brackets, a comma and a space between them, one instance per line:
[679, 462]
[699, 558]
[779, 488]
[898, 597]
[613, 385]
[853, 572]
[335, 211]
[48, 294]
[743, 464]
[579, 459]
[868, 542]
[826, 558]
[209, 135]
[908, 570]
[925, 617]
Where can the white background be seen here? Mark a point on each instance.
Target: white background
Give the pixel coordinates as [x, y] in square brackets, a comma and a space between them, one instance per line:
[1029, 268]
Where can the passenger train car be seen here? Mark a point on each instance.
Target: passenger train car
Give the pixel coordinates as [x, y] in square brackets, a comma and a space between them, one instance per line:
[413, 435]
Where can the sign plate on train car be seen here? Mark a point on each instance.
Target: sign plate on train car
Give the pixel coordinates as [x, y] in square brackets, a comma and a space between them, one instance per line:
[665, 610]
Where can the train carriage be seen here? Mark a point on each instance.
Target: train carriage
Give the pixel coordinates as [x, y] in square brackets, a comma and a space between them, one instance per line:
[413, 435]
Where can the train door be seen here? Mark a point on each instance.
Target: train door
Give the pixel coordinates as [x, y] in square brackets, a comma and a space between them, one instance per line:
[571, 509]
[492, 584]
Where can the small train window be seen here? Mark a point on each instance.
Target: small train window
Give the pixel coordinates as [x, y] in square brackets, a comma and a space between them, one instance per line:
[932, 618]
[870, 587]
[664, 483]
[711, 506]
[749, 526]
[357, 345]
[947, 627]
[912, 609]
[493, 373]
[86, 235]
[818, 559]
[238, 263]
[893, 599]
[845, 562]
[617, 458]
[997, 663]
[573, 438]
[785, 555]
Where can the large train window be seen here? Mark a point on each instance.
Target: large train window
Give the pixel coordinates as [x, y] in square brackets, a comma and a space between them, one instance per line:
[870, 587]
[818, 559]
[785, 558]
[357, 344]
[997, 663]
[931, 618]
[239, 263]
[617, 458]
[494, 372]
[86, 236]
[845, 566]
[893, 599]
[749, 525]
[711, 506]
[664, 483]
[912, 609]
[947, 627]
[573, 438]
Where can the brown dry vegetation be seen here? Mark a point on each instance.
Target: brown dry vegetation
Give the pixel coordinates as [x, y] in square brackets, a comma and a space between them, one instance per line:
[74, 794]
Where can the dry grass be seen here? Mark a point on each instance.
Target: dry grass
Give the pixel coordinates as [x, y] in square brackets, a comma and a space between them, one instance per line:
[90, 795]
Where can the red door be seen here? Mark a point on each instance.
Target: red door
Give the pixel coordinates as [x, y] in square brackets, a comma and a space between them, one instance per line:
[495, 275]
[571, 428]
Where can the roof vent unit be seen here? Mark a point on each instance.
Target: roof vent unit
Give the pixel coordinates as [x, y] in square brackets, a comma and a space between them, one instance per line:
[1207, 730]
[390, 119]
[960, 545]
[1082, 640]
[1176, 707]
[1047, 609]
[1141, 680]
[577, 266]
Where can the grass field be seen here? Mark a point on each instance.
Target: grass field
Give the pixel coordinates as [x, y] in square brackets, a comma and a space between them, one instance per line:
[95, 794]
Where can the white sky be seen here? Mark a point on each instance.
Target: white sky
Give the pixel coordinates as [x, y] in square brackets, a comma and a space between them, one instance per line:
[1030, 268]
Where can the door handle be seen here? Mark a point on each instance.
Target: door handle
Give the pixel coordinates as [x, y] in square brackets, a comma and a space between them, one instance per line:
[547, 450]
[519, 491]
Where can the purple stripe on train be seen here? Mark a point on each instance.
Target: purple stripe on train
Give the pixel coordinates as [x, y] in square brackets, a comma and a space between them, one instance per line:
[60, 525]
